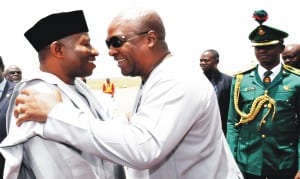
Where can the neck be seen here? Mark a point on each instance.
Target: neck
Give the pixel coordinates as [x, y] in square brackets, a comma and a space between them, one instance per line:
[210, 73]
[60, 73]
[157, 62]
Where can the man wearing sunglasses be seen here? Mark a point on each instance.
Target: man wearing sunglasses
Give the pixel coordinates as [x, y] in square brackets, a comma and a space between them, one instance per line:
[175, 129]
[291, 55]
[13, 73]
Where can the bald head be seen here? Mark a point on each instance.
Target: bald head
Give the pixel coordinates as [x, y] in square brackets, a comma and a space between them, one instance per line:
[13, 73]
[209, 60]
[136, 39]
[141, 20]
[291, 55]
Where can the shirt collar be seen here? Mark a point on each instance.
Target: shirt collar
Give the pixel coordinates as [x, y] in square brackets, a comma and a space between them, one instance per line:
[275, 71]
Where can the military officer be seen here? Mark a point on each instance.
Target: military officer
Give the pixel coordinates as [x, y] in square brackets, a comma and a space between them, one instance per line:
[263, 123]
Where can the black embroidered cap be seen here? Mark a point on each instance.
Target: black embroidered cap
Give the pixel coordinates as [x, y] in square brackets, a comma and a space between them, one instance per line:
[55, 27]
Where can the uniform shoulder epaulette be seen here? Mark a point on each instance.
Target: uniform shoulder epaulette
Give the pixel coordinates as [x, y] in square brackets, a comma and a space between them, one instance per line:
[291, 69]
[245, 70]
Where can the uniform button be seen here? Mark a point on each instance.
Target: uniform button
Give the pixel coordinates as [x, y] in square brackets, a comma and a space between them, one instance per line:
[263, 136]
[263, 121]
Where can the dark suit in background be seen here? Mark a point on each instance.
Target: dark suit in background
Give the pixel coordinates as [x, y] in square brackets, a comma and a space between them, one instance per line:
[221, 82]
[222, 85]
[4, 101]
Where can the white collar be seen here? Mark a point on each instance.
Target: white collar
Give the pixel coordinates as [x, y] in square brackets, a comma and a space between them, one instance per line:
[275, 71]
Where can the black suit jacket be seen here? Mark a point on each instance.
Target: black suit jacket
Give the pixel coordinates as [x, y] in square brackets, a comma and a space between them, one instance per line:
[4, 102]
[222, 83]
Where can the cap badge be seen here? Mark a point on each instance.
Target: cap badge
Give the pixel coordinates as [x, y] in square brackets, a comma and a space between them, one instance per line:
[261, 31]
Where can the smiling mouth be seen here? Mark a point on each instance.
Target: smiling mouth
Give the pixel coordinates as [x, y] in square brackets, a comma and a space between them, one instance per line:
[120, 61]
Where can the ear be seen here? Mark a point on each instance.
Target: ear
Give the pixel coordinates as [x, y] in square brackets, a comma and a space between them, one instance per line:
[282, 46]
[56, 49]
[152, 38]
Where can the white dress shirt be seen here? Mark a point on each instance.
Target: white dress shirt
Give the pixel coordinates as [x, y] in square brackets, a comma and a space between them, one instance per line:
[275, 71]
[175, 133]
[29, 155]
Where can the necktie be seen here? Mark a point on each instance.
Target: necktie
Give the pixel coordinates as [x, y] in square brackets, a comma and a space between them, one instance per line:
[267, 78]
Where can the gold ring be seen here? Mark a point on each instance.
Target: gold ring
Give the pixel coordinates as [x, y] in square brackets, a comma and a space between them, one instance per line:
[19, 109]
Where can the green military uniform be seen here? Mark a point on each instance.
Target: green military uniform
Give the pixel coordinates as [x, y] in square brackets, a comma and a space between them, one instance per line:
[263, 120]
[275, 144]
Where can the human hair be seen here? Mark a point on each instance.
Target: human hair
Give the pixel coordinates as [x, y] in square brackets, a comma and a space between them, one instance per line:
[214, 53]
[43, 53]
[1, 64]
[144, 20]
[150, 20]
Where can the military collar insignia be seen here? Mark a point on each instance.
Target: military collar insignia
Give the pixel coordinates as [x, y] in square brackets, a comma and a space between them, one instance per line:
[246, 70]
[286, 88]
[291, 69]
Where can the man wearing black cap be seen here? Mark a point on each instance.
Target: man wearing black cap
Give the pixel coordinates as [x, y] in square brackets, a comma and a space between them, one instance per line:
[171, 134]
[65, 53]
[263, 120]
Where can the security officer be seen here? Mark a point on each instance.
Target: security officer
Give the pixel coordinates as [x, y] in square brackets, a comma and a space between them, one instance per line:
[221, 82]
[263, 123]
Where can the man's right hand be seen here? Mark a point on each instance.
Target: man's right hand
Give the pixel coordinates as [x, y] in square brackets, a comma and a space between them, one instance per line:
[35, 106]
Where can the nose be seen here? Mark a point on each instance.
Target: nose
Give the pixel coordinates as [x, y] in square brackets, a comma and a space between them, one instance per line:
[112, 51]
[203, 61]
[94, 51]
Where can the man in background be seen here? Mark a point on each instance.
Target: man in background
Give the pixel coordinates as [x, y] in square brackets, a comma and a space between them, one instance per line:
[13, 73]
[108, 87]
[291, 55]
[221, 82]
[6, 90]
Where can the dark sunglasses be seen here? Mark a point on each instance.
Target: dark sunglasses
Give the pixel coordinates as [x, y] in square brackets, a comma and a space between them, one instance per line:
[14, 72]
[118, 41]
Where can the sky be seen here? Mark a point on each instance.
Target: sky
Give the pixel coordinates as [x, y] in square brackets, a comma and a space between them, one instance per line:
[191, 27]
